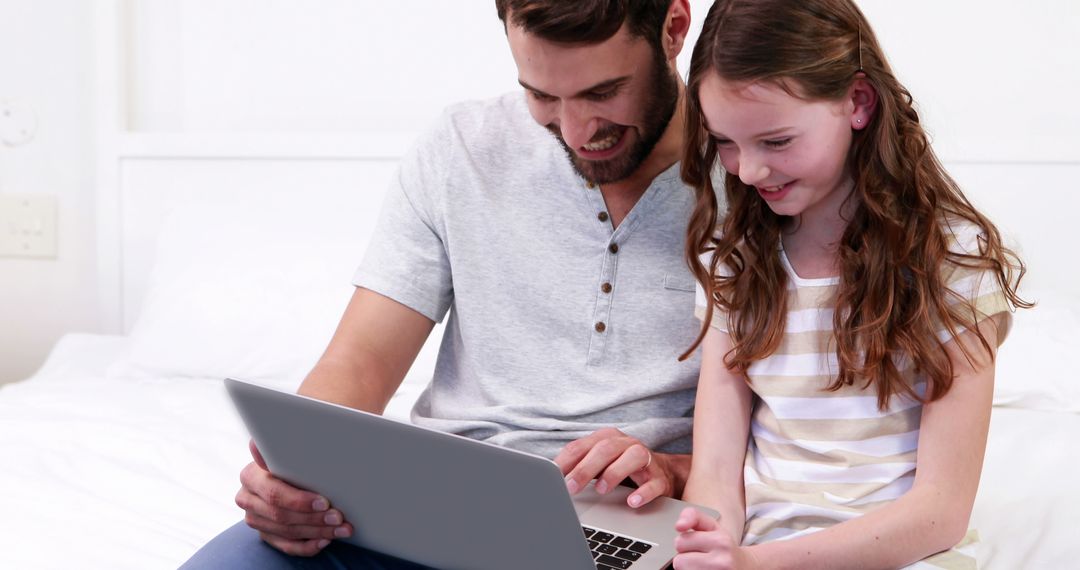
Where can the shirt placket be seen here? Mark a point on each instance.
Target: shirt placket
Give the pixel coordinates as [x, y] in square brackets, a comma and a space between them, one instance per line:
[601, 332]
[602, 307]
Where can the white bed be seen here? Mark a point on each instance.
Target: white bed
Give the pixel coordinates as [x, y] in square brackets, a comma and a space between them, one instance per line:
[113, 472]
[123, 451]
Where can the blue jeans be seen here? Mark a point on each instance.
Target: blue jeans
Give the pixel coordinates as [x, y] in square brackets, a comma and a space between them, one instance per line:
[240, 548]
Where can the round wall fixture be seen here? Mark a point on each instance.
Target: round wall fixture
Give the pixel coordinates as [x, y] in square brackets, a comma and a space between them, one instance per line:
[18, 123]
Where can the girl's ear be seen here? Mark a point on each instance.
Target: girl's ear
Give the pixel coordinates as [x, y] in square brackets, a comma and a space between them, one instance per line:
[864, 99]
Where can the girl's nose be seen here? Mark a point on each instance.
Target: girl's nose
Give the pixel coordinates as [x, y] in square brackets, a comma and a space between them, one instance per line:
[752, 171]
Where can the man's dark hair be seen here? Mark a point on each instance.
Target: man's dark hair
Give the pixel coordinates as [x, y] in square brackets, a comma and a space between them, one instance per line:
[586, 21]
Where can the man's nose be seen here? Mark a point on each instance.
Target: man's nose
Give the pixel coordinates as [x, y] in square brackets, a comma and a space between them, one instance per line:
[576, 124]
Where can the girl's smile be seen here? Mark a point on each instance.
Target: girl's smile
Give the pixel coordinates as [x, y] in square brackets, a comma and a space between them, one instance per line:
[775, 193]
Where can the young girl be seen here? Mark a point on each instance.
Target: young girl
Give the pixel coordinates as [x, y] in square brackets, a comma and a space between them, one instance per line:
[853, 304]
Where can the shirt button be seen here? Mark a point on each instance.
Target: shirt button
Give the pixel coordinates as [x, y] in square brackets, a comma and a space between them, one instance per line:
[602, 216]
[590, 184]
[606, 287]
[613, 248]
[601, 327]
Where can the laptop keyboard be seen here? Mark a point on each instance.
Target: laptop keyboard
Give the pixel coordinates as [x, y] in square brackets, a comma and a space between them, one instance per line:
[612, 551]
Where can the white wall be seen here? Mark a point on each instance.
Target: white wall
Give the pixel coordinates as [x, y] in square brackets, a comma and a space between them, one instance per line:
[994, 81]
[252, 65]
[46, 64]
[991, 77]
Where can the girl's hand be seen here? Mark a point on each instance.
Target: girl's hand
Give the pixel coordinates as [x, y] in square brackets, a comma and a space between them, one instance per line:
[703, 545]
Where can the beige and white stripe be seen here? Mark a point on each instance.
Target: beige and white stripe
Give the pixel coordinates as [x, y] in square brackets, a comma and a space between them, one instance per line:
[819, 457]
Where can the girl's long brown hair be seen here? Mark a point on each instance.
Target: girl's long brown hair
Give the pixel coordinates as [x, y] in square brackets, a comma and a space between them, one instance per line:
[892, 297]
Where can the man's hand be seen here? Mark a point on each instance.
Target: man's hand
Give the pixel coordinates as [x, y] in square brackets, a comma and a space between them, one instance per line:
[610, 456]
[294, 521]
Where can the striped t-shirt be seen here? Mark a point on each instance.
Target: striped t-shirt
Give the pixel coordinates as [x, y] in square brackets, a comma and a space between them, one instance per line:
[815, 457]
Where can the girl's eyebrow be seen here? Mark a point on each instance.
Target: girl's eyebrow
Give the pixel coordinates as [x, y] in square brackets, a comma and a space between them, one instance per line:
[766, 134]
[772, 132]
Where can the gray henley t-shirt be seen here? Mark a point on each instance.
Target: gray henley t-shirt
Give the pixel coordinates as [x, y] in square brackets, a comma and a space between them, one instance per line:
[559, 325]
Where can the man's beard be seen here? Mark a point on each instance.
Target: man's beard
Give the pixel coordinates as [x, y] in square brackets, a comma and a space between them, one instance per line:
[658, 109]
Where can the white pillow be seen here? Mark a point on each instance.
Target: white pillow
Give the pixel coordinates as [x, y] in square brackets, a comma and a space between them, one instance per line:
[1036, 365]
[251, 290]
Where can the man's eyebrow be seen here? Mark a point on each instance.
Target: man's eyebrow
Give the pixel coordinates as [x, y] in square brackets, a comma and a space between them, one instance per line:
[608, 84]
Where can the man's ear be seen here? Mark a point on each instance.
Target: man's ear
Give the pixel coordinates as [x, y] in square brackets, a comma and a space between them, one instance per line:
[676, 28]
[864, 99]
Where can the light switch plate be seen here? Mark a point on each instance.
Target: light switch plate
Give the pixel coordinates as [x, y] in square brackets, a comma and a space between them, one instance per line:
[28, 225]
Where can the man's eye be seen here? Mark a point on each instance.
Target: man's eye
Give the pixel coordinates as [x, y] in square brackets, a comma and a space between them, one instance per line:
[602, 95]
[778, 143]
[542, 97]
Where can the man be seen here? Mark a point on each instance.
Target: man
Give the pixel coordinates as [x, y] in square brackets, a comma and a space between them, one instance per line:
[551, 227]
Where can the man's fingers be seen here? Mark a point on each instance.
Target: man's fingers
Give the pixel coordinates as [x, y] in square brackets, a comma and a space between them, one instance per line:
[632, 461]
[644, 468]
[292, 520]
[294, 532]
[280, 494]
[572, 454]
[602, 454]
[256, 455]
[254, 504]
[648, 491]
[286, 530]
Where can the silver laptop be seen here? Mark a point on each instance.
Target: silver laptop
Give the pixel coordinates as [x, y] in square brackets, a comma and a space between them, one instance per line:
[448, 501]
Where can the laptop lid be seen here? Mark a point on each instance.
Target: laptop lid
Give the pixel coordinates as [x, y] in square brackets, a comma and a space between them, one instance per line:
[439, 499]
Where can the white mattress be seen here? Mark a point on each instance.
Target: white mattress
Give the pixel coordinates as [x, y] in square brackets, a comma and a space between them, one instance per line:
[103, 472]
[1028, 507]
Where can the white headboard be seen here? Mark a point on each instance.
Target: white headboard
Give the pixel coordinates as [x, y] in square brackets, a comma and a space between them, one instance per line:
[230, 174]
[142, 175]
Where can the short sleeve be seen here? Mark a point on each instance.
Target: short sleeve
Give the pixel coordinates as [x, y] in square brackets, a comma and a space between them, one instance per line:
[977, 287]
[407, 259]
[719, 315]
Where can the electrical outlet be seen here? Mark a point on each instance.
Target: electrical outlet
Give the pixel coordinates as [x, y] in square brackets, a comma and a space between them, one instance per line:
[28, 225]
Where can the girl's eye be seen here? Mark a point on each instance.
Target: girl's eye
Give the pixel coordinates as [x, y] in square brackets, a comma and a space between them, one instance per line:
[778, 143]
[721, 142]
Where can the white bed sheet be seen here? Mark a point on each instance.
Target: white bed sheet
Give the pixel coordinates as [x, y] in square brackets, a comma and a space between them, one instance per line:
[1028, 507]
[116, 473]
[111, 473]
[105, 472]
